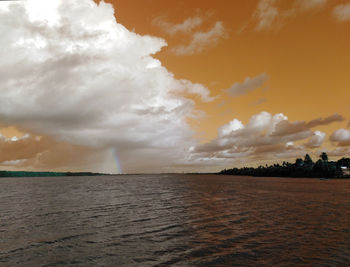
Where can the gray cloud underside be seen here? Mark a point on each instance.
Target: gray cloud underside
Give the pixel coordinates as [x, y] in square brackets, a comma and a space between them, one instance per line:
[248, 85]
[266, 137]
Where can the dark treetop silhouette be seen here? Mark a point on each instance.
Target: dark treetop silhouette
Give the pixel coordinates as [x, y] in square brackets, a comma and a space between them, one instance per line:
[301, 168]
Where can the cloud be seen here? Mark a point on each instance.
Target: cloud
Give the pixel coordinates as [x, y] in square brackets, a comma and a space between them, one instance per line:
[338, 152]
[264, 137]
[232, 126]
[316, 140]
[286, 128]
[14, 149]
[342, 12]
[259, 102]
[310, 4]
[341, 136]
[186, 27]
[44, 153]
[269, 13]
[266, 14]
[71, 72]
[248, 85]
[325, 121]
[201, 41]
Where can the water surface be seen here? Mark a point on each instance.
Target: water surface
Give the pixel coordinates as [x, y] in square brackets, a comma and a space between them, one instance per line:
[181, 220]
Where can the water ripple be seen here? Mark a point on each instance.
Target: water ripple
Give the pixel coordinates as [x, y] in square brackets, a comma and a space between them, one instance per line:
[182, 220]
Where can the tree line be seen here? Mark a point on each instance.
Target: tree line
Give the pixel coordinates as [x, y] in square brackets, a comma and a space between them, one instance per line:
[300, 168]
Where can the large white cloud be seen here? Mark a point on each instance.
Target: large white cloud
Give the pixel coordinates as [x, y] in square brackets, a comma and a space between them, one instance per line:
[70, 71]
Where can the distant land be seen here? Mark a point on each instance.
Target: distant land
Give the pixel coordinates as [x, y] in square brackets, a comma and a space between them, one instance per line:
[306, 168]
[46, 174]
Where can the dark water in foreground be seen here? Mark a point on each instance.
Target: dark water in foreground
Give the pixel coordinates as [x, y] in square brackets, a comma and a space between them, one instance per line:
[184, 220]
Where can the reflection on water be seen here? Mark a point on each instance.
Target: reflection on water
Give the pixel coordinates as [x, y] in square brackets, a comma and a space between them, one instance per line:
[182, 220]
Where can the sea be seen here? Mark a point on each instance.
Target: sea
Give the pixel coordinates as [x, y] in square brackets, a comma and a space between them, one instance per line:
[174, 220]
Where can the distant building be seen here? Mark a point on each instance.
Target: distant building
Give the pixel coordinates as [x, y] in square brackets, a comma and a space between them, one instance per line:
[345, 170]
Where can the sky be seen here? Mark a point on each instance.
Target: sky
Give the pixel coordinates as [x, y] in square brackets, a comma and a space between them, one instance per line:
[134, 86]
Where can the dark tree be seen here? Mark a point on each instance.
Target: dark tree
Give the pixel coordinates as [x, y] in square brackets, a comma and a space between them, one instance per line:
[308, 160]
[344, 162]
[301, 168]
[299, 162]
[324, 156]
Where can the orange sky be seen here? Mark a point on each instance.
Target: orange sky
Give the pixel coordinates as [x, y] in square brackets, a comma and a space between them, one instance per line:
[299, 49]
[306, 57]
